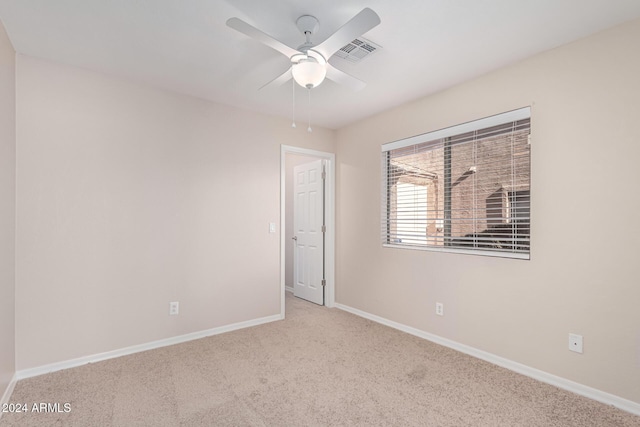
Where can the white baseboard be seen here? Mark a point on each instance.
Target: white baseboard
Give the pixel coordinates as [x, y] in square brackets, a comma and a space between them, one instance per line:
[563, 383]
[40, 370]
[288, 289]
[9, 391]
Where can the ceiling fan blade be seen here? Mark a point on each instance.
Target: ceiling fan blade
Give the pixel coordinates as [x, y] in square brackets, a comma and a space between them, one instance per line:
[280, 80]
[253, 32]
[344, 79]
[357, 26]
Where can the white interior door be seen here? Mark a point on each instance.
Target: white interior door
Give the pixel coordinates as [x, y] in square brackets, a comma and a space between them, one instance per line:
[308, 220]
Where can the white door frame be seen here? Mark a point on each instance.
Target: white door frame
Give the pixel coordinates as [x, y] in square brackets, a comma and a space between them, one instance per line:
[330, 215]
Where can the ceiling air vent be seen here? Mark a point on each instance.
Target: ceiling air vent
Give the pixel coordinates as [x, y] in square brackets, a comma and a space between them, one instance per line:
[357, 50]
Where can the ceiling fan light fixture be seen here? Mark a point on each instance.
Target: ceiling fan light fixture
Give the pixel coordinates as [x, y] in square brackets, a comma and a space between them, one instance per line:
[309, 73]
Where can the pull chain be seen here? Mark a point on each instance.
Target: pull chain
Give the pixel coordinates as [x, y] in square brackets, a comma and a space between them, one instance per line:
[293, 96]
[309, 128]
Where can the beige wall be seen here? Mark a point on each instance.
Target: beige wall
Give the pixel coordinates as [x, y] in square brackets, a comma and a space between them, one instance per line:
[7, 209]
[584, 145]
[291, 161]
[130, 197]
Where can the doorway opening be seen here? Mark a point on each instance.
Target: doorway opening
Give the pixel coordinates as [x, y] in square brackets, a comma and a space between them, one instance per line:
[302, 161]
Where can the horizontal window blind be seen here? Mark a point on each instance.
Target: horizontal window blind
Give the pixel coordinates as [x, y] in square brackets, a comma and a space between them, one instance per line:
[461, 189]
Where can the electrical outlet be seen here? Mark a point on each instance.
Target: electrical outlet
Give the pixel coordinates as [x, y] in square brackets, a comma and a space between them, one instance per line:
[272, 227]
[174, 308]
[440, 309]
[575, 343]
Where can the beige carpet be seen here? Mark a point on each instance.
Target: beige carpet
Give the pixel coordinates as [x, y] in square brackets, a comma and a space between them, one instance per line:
[318, 367]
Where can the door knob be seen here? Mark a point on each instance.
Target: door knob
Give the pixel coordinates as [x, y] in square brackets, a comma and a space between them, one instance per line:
[295, 238]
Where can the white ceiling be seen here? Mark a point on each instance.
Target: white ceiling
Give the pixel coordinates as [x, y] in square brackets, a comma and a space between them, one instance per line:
[185, 46]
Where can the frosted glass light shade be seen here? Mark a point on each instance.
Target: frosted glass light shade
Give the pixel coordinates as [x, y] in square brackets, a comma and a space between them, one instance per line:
[308, 73]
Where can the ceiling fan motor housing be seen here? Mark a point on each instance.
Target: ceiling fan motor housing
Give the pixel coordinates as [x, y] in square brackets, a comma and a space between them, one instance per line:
[308, 25]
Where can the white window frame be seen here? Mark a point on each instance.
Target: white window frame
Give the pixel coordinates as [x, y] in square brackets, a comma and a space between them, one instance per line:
[487, 122]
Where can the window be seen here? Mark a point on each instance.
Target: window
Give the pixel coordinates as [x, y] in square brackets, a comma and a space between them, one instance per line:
[411, 205]
[461, 189]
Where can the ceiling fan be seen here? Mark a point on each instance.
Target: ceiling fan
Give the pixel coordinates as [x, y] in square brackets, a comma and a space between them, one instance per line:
[309, 65]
